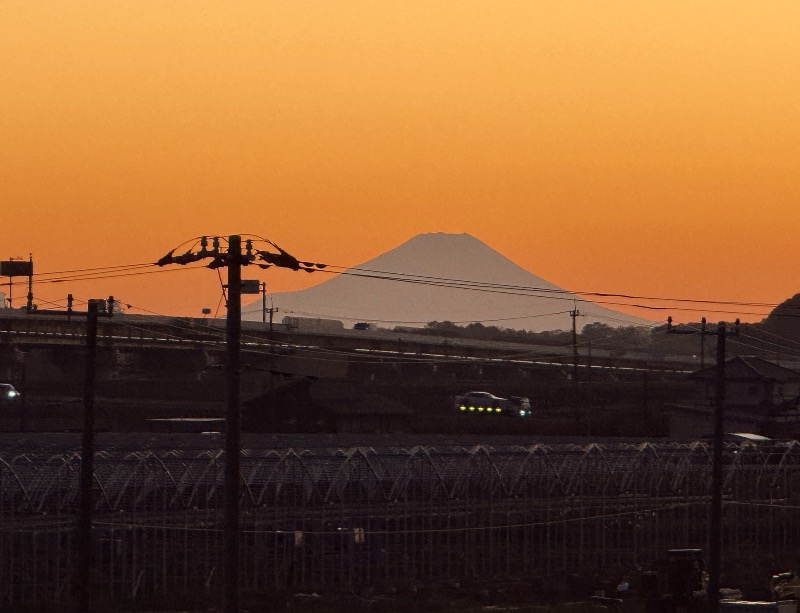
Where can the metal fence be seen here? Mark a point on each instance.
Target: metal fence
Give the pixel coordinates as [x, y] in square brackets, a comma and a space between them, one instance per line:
[333, 518]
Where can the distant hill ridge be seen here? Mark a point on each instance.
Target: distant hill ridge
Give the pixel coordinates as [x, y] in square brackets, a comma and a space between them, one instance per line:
[437, 268]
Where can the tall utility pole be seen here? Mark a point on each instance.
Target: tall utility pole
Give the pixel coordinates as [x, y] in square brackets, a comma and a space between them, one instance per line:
[83, 590]
[715, 519]
[82, 585]
[233, 339]
[234, 259]
[715, 512]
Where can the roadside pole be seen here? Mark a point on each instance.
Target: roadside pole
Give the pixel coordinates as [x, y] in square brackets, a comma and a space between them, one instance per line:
[234, 260]
[232, 424]
[83, 583]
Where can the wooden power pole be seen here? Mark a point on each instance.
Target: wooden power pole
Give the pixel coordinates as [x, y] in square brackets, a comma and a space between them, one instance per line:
[715, 511]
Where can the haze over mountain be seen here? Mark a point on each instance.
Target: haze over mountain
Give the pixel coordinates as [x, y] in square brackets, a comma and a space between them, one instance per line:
[435, 269]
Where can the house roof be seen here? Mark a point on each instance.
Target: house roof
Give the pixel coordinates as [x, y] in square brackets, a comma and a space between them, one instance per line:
[750, 368]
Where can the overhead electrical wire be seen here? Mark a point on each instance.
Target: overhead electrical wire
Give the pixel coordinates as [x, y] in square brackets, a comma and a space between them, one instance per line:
[778, 336]
[634, 347]
[98, 268]
[99, 276]
[549, 290]
[333, 355]
[388, 358]
[532, 292]
[100, 273]
[384, 359]
[788, 351]
[622, 344]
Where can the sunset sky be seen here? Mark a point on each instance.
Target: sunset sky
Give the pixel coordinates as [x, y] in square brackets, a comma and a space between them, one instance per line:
[646, 148]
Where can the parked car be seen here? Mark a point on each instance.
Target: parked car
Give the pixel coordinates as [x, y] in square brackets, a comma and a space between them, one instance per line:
[8, 392]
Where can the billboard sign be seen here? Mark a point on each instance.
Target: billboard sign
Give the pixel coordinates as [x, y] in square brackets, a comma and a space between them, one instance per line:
[16, 268]
[251, 286]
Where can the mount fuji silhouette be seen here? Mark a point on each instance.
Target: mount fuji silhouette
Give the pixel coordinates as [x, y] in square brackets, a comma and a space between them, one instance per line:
[441, 277]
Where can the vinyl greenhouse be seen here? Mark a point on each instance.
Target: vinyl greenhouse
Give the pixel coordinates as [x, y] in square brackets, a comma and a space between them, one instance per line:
[328, 517]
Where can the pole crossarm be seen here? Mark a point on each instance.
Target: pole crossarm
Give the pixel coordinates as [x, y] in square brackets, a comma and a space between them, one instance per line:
[259, 257]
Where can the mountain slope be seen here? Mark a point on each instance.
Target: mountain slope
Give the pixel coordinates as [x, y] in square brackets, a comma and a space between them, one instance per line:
[431, 266]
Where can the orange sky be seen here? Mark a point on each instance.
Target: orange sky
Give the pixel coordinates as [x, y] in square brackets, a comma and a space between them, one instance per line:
[632, 147]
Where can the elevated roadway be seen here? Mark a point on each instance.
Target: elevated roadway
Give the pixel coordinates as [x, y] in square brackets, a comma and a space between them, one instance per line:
[21, 331]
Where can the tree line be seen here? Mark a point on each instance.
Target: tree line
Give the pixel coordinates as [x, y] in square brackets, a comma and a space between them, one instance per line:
[776, 337]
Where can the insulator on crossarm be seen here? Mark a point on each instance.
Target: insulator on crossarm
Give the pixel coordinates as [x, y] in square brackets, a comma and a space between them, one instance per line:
[167, 259]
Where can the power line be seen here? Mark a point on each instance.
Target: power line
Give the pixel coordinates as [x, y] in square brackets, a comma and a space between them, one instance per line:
[621, 344]
[563, 291]
[89, 274]
[101, 276]
[100, 268]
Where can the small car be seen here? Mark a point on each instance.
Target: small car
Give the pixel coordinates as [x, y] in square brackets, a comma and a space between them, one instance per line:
[480, 402]
[8, 392]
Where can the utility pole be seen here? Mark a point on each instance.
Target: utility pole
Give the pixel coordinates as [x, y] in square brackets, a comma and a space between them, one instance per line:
[574, 314]
[645, 403]
[30, 283]
[84, 528]
[715, 519]
[264, 309]
[23, 407]
[703, 343]
[589, 388]
[715, 512]
[233, 339]
[82, 586]
[234, 259]
[575, 387]
[271, 310]
[263, 302]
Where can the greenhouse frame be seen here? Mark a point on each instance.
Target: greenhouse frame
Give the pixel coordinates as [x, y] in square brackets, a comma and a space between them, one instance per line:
[388, 517]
